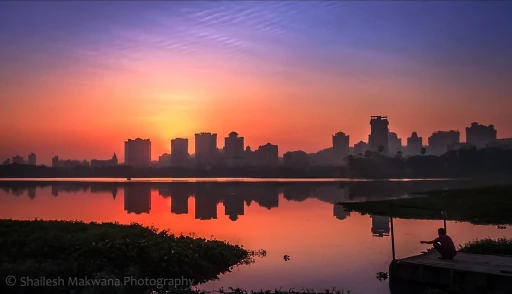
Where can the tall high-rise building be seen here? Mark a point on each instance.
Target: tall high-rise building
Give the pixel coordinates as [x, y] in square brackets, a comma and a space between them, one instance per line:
[340, 146]
[234, 149]
[32, 159]
[379, 134]
[137, 153]
[55, 161]
[479, 135]
[206, 148]
[267, 155]
[179, 152]
[441, 141]
[394, 143]
[414, 144]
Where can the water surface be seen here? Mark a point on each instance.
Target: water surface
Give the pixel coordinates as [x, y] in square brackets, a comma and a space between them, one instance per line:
[328, 247]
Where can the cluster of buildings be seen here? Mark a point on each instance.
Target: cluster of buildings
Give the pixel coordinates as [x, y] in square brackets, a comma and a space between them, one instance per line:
[137, 152]
[234, 153]
[32, 160]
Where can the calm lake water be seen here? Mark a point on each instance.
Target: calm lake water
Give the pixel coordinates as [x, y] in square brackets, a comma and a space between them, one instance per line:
[327, 246]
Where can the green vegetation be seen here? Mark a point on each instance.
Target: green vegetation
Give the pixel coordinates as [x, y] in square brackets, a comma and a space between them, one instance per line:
[501, 246]
[490, 205]
[111, 251]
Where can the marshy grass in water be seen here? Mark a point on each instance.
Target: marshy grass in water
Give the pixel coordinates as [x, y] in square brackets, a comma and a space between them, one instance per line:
[112, 251]
[489, 205]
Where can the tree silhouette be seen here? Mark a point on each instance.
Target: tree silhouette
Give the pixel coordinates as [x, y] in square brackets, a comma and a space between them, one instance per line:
[399, 154]
[367, 154]
[423, 150]
[380, 148]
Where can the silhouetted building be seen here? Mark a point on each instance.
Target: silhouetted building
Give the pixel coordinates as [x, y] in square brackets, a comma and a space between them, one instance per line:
[414, 144]
[137, 153]
[442, 141]
[105, 163]
[360, 148]
[18, 159]
[296, 159]
[55, 161]
[394, 143]
[32, 160]
[179, 152]
[380, 225]
[324, 157]
[164, 160]
[479, 135]
[340, 147]
[339, 212]
[234, 149]
[137, 198]
[7, 161]
[379, 134]
[267, 155]
[206, 149]
[68, 163]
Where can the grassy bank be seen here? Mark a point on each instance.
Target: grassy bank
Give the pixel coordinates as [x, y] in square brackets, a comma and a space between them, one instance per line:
[502, 246]
[111, 251]
[490, 205]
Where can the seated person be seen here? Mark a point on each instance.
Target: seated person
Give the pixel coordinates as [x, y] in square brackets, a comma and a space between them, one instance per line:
[443, 244]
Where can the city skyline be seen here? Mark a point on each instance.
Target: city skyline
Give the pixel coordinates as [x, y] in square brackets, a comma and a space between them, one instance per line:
[479, 136]
[290, 73]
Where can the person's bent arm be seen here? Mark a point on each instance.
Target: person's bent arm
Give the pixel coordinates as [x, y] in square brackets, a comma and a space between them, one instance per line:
[428, 242]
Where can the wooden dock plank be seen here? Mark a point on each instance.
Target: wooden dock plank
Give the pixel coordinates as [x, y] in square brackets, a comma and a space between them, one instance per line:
[489, 264]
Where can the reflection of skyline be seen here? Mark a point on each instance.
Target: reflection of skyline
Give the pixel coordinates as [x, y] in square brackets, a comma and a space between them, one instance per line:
[235, 195]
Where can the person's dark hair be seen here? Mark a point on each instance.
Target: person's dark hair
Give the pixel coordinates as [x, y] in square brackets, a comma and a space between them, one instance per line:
[441, 231]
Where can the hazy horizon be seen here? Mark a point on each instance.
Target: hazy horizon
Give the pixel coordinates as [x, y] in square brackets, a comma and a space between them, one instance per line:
[79, 78]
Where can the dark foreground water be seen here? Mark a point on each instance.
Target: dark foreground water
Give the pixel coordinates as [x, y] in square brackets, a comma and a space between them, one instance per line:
[327, 247]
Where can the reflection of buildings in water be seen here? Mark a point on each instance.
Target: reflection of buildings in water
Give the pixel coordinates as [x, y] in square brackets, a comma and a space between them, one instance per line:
[55, 190]
[205, 203]
[332, 193]
[17, 191]
[32, 192]
[297, 192]
[339, 212]
[234, 206]
[103, 187]
[267, 197]
[137, 198]
[380, 225]
[179, 193]
[179, 200]
[6, 190]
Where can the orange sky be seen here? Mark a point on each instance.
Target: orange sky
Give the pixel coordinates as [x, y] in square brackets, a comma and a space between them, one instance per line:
[77, 83]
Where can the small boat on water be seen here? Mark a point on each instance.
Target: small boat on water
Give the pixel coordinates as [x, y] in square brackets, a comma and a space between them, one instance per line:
[128, 179]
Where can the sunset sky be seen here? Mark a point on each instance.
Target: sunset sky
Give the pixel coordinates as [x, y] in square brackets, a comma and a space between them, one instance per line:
[78, 79]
